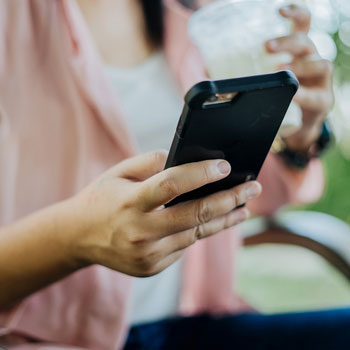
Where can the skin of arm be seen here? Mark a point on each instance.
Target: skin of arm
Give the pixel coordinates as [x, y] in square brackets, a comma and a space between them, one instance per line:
[35, 252]
[119, 222]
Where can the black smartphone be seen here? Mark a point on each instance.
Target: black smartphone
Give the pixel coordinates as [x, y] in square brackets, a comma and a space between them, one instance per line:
[233, 119]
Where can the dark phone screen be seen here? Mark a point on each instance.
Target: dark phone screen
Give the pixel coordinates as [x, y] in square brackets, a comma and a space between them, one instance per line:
[241, 132]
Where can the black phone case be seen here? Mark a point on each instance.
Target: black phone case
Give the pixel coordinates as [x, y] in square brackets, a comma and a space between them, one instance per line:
[241, 131]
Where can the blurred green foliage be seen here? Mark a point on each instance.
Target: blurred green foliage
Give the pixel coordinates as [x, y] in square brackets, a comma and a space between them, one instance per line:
[336, 197]
[342, 62]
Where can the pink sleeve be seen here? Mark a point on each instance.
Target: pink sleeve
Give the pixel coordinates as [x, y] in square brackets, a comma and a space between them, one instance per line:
[283, 185]
[51, 77]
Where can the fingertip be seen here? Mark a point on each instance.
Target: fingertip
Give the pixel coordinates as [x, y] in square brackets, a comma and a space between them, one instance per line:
[243, 215]
[299, 14]
[253, 190]
[267, 46]
[258, 187]
[272, 45]
[223, 167]
[286, 11]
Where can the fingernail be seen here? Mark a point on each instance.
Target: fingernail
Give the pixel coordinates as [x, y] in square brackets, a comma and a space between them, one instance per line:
[252, 191]
[286, 9]
[223, 167]
[243, 215]
[273, 44]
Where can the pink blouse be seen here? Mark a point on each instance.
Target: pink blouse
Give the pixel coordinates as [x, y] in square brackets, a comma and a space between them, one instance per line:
[59, 128]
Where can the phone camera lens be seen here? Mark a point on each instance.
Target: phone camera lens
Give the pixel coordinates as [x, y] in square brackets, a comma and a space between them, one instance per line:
[213, 98]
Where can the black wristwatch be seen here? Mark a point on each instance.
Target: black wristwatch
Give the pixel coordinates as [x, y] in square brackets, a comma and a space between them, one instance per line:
[300, 160]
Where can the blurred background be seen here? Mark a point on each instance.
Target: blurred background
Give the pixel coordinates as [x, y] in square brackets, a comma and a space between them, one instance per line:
[277, 278]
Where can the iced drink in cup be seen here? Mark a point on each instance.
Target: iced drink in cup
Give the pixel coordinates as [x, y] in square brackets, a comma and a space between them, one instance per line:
[231, 34]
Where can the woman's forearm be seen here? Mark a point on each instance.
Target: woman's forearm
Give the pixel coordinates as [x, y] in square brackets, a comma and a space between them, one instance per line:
[35, 252]
[115, 222]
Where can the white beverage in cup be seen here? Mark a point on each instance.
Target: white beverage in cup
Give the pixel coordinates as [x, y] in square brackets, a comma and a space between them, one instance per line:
[230, 35]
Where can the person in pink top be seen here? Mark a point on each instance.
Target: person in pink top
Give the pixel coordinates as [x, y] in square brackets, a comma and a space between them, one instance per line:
[70, 251]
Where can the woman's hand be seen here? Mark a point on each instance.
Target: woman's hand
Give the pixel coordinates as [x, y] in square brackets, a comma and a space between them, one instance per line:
[315, 95]
[123, 225]
[118, 221]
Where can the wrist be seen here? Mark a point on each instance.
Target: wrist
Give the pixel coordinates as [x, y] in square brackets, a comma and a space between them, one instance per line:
[299, 158]
[305, 138]
[69, 233]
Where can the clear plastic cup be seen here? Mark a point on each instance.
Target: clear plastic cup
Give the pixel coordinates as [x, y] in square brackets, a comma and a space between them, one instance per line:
[231, 34]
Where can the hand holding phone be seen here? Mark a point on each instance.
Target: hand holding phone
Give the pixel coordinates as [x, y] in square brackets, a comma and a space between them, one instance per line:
[234, 119]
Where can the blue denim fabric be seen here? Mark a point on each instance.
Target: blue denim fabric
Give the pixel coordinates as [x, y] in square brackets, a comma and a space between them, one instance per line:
[308, 330]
